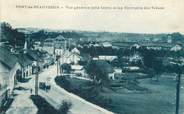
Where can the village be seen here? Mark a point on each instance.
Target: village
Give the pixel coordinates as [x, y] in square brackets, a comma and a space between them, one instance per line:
[67, 75]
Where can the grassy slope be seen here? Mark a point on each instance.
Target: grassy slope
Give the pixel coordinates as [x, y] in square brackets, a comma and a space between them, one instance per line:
[159, 100]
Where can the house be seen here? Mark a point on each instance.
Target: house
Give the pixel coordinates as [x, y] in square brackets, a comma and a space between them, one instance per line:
[74, 56]
[107, 57]
[118, 70]
[176, 48]
[4, 81]
[49, 49]
[132, 69]
[64, 56]
[75, 51]
[35, 56]
[26, 65]
[135, 58]
[9, 68]
[49, 42]
[71, 57]
[58, 51]
[60, 42]
[135, 46]
[106, 44]
[78, 70]
[8, 80]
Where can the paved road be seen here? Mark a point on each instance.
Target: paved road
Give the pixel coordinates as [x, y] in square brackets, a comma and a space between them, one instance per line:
[57, 94]
[22, 104]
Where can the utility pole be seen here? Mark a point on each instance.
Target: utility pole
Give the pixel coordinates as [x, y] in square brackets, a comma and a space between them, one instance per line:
[58, 63]
[178, 93]
[36, 79]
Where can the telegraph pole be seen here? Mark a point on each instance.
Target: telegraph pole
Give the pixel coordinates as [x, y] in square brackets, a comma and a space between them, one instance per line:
[58, 63]
[36, 79]
[178, 93]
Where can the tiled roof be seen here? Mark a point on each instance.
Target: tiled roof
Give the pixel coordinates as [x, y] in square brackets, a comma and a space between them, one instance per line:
[33, 55]
[24, 60]
[7, 58]
[4, 76]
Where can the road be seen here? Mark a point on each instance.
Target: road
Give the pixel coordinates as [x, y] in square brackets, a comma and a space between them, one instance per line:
[56, 95]
[22, 103]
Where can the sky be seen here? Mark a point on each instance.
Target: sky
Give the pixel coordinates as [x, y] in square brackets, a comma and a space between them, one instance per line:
[169, 19]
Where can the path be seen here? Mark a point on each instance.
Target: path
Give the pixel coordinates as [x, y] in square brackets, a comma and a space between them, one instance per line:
[22, 104]
[57, 94]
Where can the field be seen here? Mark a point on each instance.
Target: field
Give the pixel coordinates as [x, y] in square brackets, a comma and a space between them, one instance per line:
[158, 99]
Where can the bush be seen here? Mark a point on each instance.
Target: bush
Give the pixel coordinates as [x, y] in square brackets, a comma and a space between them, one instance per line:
[43, 106]
[63, 82]
[65, 107]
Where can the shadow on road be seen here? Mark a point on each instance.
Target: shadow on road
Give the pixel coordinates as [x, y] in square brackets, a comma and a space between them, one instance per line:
[43, 106]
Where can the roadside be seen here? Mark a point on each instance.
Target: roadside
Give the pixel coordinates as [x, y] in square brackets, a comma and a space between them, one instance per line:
[56, 95]
[22, 103]
[159, 97]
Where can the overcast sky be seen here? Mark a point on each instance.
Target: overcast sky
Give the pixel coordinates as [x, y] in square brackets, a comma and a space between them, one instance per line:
[170, 19]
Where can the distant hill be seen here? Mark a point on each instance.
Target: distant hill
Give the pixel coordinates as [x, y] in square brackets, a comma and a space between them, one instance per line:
[40, 34]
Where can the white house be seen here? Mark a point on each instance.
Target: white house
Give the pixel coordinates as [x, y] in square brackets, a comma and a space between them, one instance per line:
[106, 44]
[135, 57]
[75, 51]
[176, 48]
[78, 69]
[137, 46]
[107, 57]
[26, 65]
[71, 57]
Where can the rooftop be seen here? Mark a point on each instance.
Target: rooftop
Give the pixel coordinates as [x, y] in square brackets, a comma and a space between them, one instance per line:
[7, 58]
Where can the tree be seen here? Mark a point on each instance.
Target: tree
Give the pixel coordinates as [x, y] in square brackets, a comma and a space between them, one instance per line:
[12, 36]
[157, 67]
[98, 71]
[148, 58]
[66, 67]
[151, 61]
[65, 107]
[176, 36]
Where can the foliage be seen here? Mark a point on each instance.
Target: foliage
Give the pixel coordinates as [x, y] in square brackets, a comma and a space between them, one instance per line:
[65, 82]
[66, 67]
[43, 106]
[72, 34]
[12, 36]
[97, 73]
[65, 107]
[176, 36]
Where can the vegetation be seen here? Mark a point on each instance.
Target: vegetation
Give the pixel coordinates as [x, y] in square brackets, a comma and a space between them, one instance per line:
[11, 35]
[98, 71]
[85, 89]
[43, 106]
[126, 95]
[65, 107]
[66, 67]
